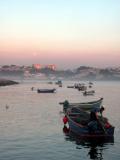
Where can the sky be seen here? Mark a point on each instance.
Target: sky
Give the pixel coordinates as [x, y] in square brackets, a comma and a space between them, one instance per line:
[68, 33]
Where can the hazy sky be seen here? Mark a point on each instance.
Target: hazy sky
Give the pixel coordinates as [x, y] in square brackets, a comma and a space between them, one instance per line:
[68, 33]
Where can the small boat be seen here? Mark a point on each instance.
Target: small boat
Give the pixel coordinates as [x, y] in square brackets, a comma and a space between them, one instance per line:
[87, 93]
[58, 82]
[46, 90]
[82, 88]
[83, 105]
[81, 127]
[90, 83]
[60, 85]
[90, 86]
[50, 82]
[70, 86]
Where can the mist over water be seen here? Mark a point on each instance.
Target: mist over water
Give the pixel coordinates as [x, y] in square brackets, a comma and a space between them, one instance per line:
[32, 128]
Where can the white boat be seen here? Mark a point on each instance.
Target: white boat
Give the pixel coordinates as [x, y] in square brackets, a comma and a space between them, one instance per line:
[83, 105]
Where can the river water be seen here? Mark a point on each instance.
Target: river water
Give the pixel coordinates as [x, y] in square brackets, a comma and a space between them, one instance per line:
[31, 127]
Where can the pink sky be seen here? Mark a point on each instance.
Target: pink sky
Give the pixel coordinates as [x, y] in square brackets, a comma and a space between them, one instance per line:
[66, 34]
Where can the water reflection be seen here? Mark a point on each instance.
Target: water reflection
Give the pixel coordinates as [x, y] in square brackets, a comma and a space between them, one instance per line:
[96, 145]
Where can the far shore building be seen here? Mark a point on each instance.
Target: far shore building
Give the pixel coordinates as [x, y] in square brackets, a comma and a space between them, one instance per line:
[37, 66]
[49, 66]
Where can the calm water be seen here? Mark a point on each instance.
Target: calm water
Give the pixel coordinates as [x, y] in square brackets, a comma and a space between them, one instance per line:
[32, 129]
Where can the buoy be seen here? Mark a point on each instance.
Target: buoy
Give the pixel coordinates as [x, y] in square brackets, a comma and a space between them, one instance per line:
[65, 129]
[107, 125]
[65, 119]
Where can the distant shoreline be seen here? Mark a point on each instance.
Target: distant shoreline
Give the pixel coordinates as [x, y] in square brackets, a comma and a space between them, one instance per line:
[5, 82]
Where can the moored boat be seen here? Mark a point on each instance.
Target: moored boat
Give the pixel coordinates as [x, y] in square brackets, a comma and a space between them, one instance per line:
[82, 105]
[70, 86]
[46, 90]
[58, 82]
[82, 88]
[81, 128]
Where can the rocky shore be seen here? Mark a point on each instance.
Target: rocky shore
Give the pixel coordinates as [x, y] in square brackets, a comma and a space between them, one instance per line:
[4, 82]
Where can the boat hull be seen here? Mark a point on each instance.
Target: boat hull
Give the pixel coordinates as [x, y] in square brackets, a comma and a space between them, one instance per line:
[84, 130]
[91, 140]
[88, 93]
[46, 90]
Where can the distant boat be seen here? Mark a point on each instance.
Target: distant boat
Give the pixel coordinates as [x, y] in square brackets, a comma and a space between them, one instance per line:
[50, 82]
[90, 83]
[82, 88]
[70, 86]
[87, 93]
[46, 90]
[60, 85]
[90, 86]
[58, 82]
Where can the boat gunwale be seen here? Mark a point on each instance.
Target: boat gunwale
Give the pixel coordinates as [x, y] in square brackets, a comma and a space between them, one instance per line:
[86, 104]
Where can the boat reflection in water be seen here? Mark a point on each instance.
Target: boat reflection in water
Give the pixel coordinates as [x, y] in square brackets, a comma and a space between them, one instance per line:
[94, 144]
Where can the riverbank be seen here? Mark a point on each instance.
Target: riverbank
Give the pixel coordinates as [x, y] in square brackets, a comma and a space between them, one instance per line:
[5, 82]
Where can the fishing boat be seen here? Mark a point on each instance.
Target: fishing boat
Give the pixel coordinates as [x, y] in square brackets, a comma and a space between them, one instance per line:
[46, 90]
[90, 83]
[50, 82]
[60, 85]
[82, 88]
[87, 93]
[81, 127]
[82, 105]
[70, 86]
[58, 82]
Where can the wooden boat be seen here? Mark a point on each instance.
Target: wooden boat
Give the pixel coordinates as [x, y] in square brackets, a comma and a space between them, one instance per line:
[81, 128]
[50, 82]
[46, 90]
[79, 85]
[58, 82]
[70, 86]
[87, 93]
[60, 85]
[90, 83]
[90, 86]
[84, 105]
[82, 88]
